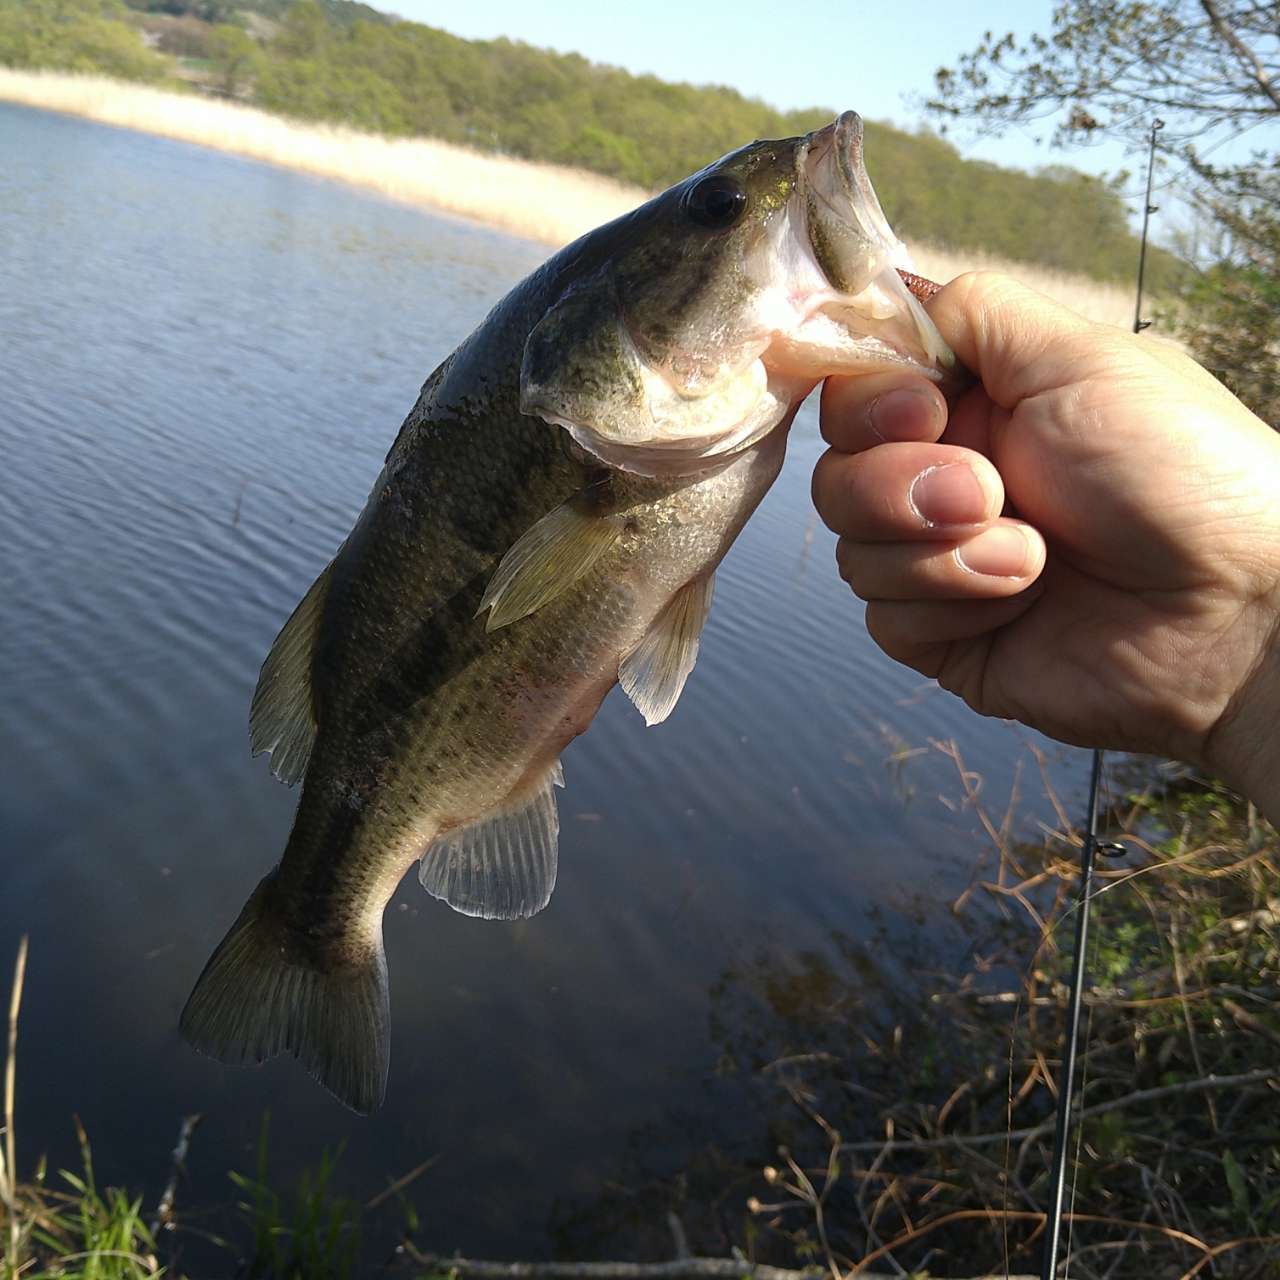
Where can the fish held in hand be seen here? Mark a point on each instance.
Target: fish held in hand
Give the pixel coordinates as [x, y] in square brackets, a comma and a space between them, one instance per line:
[547, 525]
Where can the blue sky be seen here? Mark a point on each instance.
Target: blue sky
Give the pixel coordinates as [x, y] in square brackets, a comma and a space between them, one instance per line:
[877, 58]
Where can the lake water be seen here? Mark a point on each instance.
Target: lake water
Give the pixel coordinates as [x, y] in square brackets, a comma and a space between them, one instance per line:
[203, 361]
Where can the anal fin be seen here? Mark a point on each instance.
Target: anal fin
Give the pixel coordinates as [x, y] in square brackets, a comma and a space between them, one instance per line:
[282, 718]
[654, 672]
[503, 865]
[552, 555]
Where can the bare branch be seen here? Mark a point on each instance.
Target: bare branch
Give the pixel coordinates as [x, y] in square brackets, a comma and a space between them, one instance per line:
[679, 1269]
[1245, 53]
[1046, 1126]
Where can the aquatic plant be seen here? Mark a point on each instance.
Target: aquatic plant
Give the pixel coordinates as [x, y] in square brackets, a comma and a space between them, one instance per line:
[319, 1239]
[89, 1234]
[894, 1110]
[79, 1234]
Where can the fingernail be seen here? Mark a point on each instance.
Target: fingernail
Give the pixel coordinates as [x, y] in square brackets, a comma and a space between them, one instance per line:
[950, 494]
[1001, 552]
[907, 413]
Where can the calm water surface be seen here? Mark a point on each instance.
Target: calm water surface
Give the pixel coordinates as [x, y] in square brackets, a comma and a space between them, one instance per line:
[203, 361]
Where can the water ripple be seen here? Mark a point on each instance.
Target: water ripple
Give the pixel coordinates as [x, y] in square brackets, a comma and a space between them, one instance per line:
[203, 361]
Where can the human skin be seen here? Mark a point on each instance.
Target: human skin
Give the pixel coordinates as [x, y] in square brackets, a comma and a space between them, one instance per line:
[1087, 542]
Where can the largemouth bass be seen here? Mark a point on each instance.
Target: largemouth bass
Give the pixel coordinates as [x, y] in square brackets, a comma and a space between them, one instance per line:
[547, 525]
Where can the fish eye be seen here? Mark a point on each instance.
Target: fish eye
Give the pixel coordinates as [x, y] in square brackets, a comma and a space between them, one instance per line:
[716, 201]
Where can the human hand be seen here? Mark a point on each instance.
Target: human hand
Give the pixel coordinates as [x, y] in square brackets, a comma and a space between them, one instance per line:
[1088, 542]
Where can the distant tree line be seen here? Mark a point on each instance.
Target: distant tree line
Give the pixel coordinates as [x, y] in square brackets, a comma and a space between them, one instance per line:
[509, 97]
[344, 62]
[1058, 217]
[75, 35]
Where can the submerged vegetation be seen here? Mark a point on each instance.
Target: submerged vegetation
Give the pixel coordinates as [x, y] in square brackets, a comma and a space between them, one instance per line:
[345, 63]
[871, 1108]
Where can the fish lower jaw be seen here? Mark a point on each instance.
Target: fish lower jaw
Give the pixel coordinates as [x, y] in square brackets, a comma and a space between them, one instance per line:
[824, 332]
[810, 356]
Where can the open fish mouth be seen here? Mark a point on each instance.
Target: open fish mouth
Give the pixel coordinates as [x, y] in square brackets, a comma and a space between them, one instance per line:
[853, 311]
[762, 274]
[848, 232]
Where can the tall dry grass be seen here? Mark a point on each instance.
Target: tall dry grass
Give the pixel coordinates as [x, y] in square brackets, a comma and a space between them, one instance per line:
[548, 203]
[543, 202]
[1095, 299]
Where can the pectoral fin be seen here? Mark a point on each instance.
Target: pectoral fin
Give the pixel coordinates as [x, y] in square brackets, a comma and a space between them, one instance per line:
[282, 718]
[654, 672]
[551, 556]
[502, 866]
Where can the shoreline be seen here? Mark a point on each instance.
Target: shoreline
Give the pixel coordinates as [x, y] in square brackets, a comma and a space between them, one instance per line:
[555, 204]
[551, 204]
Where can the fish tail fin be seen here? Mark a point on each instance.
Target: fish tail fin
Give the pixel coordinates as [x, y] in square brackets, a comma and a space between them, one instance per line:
[258, 997]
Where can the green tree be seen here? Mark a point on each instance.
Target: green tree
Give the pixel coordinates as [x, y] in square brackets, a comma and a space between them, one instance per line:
[235, 54]
[316, 75]
[505, 96]
[1059, 217]
[75, 35]
[601, 151]
[1210, 70]
[1231, 312]
[318, 90]
[304, 32]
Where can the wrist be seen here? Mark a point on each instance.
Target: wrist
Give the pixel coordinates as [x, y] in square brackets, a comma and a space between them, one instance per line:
[1243, 747]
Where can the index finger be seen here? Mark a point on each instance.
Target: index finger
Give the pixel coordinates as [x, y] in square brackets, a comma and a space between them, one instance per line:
[858, 413]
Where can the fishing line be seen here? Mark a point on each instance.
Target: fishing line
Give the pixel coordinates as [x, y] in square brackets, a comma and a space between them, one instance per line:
[1084, 1085]
[1088, 855]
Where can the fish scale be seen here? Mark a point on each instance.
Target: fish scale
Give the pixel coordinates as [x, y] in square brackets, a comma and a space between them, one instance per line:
[548, 524]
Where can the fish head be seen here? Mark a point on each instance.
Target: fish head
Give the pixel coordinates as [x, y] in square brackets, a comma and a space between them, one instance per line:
[686, 331]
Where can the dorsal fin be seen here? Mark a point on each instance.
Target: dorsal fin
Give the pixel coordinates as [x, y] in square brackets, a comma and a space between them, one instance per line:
[282, 719]
[552, 556]
[654, 672]
[502, 866]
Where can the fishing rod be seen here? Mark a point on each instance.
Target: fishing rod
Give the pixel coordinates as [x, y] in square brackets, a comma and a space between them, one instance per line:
[1088, 856]
[1147, 210]
[1066, 1090]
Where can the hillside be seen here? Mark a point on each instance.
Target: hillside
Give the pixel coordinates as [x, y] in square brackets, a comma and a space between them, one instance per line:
[342, 62]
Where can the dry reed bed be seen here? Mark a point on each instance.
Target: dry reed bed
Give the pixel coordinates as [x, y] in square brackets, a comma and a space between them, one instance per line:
[543, 202]
[922, 1137]
[547, 203]
[1097, 300]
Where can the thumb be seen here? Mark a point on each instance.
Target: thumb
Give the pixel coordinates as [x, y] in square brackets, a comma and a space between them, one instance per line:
[1019, 342]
